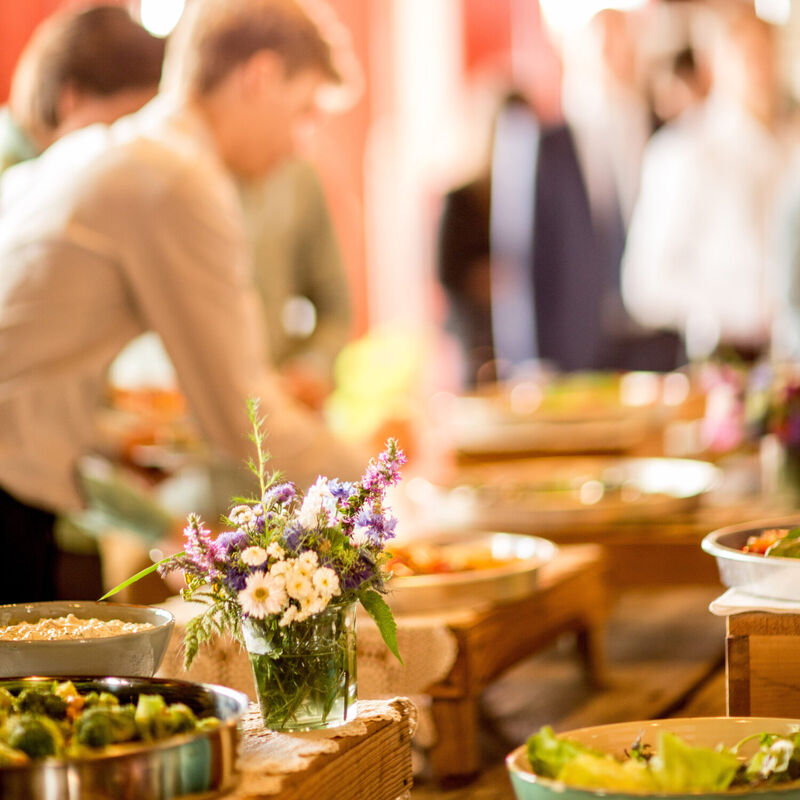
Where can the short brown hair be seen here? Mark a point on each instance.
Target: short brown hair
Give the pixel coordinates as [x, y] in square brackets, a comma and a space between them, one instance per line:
[98, 50]
[215, 36]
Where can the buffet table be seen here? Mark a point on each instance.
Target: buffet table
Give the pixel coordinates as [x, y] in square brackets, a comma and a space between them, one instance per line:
[366, 759]
[449, 656]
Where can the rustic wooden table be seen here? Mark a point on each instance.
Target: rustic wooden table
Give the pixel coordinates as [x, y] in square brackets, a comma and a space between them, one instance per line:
[367, 759]
[763, 664]
[571, 595]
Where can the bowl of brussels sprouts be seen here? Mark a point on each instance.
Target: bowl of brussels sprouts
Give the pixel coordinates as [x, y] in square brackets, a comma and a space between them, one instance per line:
[84, 638]
[144, 738]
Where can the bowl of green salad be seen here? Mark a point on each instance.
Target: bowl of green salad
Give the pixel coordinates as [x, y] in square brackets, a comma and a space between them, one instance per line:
[691, 757]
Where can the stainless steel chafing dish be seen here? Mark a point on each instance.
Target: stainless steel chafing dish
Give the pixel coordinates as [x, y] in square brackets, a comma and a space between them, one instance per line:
[197, 765]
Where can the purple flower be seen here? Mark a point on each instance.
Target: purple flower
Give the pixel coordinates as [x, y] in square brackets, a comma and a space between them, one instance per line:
[230, 541]
[374, 528]
[293, 537]
[341, 490]
[201, 552]
[280, 493]
[235, 579]
[360, 573]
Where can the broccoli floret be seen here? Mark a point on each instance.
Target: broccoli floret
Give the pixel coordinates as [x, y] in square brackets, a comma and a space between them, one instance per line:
[94, 729]
[41, 701]
[10, 757]
[101, 726]
[181, 718]
[37, 736]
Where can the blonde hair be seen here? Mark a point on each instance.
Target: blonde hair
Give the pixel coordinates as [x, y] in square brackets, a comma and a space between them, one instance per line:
[215, 36]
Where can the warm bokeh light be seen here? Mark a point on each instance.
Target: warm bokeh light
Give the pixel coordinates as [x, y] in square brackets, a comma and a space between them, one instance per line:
[561, 16]
[160, 16]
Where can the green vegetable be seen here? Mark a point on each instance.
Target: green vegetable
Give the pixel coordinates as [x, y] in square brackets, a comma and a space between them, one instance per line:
[548, 753]
[152, 717]
[36, 736]
[41, 701]
[6, 700]
[102, 699]
[680, 767]
[181, 718]
[102, 725]
[787, 546]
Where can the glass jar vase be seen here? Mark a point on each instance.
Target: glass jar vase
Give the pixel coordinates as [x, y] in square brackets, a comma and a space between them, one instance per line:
[305, 672]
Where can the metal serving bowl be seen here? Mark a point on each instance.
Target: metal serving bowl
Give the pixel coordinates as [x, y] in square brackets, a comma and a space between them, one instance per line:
[513, 577]
[771, 577]
[615, 738]
[197, 765]
[136, 654]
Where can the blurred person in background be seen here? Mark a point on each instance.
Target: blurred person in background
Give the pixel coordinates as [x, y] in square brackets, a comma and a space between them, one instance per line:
[299, 276]
[79, 67]
[697, 253]
[138, 225]
[608, 108]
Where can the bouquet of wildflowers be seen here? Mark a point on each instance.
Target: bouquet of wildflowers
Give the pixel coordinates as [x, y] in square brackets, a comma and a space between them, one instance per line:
[284, 558]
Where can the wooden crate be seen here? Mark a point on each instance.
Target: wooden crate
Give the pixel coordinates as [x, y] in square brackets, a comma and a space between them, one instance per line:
[763, 665]
[571, 595]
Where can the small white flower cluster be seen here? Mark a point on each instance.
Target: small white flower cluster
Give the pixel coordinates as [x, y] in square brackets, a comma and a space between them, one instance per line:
[300, 579]
[244, 517]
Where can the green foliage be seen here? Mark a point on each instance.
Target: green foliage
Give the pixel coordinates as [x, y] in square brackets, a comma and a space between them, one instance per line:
[220, 617]
[379, 610]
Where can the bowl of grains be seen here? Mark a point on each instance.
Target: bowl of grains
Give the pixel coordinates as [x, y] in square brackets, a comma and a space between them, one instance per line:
[84, 638]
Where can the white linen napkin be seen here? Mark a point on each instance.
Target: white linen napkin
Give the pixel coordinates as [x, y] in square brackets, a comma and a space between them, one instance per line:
[735, 601]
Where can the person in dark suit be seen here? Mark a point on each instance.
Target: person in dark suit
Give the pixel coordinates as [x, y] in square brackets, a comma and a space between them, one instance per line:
[530, 273]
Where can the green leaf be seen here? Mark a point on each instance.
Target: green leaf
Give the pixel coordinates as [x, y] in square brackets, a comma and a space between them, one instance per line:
[138, 576]
[548, 753]
[681, 768]
[379, 610]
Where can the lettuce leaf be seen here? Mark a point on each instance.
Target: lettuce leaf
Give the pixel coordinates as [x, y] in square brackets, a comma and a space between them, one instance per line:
[680, 767]
[548, 753]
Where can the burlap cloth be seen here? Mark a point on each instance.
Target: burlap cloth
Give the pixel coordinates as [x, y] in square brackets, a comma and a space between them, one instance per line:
[426, 644]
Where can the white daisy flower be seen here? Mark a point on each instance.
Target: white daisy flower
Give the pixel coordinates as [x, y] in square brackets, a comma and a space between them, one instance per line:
[316, 605]
[280, 568]
[326, 582]
[276, 551]
[254, 556]
[262, 595]
[298, 586]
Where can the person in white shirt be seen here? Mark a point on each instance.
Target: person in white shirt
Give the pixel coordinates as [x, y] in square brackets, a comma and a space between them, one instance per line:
[696, 258]
[138, 226]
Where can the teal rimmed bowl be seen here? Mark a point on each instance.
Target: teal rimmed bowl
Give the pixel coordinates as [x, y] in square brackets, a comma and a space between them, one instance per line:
[617, 737]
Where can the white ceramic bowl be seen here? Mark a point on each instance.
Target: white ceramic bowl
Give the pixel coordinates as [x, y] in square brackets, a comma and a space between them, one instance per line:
[772, 577]
[615, 738]
[132, 654]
